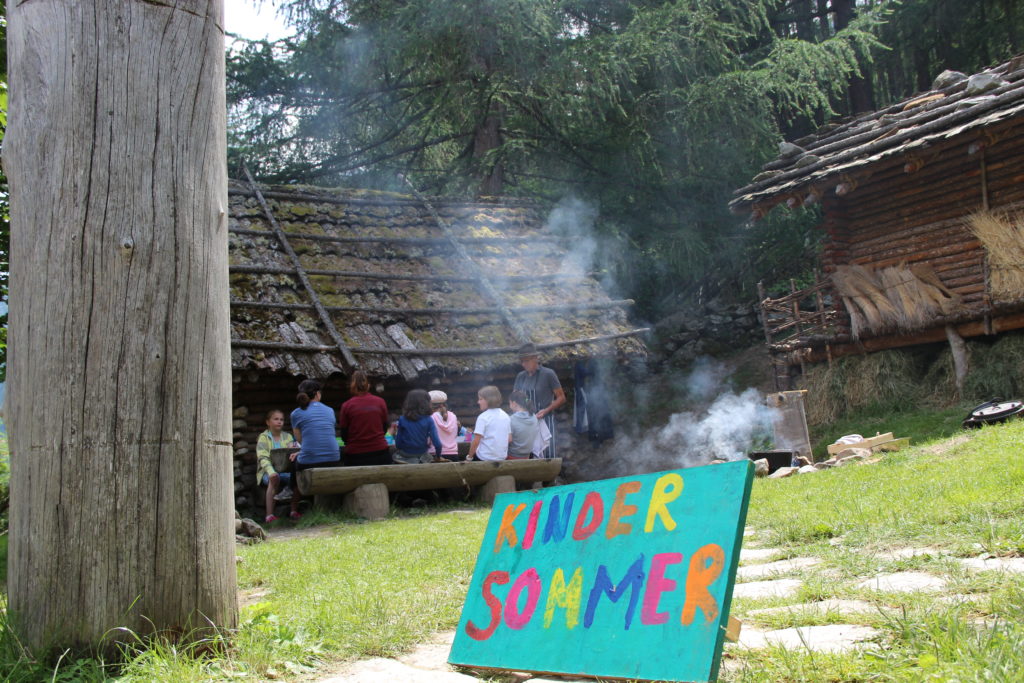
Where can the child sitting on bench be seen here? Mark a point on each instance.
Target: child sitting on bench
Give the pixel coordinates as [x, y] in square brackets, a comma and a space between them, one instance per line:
[273, 438]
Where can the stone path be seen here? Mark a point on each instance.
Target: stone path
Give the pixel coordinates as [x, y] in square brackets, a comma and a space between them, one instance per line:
[1013, 565]
[908, 553]
[756, 580]
[831, 638]
[776, 588]
[757, 554]
[759, 571]
[819, 609]
[903, 582]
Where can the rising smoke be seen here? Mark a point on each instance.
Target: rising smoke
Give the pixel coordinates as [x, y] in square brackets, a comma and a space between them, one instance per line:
[721, 423]
[574, 221]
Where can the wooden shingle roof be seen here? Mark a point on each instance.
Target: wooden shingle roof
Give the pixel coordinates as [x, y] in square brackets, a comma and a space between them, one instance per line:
[323, 281]
[833, 159]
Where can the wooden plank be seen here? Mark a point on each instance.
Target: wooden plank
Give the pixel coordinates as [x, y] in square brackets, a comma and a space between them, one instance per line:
[866, 443]
[891, 446]
[436, 475]
[732, 630]
[973, 328]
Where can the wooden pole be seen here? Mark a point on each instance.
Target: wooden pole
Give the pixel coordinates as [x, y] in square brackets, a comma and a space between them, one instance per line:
[960, 358]
[120, 380]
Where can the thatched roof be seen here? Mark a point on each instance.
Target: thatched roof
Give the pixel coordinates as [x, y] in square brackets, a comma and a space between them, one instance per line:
[832, 159]
[406, 286]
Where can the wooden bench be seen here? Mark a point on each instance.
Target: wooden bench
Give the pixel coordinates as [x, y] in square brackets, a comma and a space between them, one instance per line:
[366, 488]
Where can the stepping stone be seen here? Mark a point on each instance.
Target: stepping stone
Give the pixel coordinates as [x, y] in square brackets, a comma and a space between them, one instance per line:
[1013, 565]
[823, 607]
[779, 588]
[904, 582]
[760, 571]
[960, 599]
[907, 553]
[432, 655]
[831, 638]
[757, 554]
[379, 669]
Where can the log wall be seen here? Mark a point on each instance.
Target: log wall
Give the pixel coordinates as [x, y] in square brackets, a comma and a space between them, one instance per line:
[895, 216]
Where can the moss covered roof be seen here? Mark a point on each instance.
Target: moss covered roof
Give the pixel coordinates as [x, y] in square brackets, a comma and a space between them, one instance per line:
[396, 291]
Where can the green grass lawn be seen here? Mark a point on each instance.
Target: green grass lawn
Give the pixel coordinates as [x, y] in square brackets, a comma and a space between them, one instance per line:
[922, 426]
[375, 589]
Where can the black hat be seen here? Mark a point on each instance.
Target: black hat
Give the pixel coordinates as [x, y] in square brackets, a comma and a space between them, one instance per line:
[528, 350]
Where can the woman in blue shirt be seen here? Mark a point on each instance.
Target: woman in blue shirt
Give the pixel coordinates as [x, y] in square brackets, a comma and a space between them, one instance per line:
[313, 426]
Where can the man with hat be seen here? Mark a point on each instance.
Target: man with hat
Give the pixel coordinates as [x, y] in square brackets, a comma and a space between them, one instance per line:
[542, 387]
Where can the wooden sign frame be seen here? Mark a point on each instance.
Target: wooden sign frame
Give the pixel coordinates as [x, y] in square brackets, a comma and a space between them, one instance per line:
[620, 578]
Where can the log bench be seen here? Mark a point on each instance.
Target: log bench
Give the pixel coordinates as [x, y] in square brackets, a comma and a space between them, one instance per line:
[366, 488]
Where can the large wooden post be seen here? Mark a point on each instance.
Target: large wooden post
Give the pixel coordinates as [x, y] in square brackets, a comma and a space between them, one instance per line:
[119, 397]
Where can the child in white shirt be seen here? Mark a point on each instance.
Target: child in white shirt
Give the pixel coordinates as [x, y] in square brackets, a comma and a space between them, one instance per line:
[493, 429]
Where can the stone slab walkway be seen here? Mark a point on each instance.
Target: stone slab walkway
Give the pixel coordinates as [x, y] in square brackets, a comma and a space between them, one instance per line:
[821, 608]
[748, 555]
[903, 582]
[1013, 565]
[831, 638]
[760, 571]
[776, 588]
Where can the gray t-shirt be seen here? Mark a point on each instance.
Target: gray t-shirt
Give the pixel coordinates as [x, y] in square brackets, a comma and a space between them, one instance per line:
[524, 433]
[540, 386]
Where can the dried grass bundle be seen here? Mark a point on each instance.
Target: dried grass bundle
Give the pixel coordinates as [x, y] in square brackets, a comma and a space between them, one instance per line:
[895, 297]
[858, 285]
[1002, 236]
[903, 290]
[857, 322]
[946, 299]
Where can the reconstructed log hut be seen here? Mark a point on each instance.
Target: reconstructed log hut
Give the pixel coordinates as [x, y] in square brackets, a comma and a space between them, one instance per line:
[922, 208]
[416, 292]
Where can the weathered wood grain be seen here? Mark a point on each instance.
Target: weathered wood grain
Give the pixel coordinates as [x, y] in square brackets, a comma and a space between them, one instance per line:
[120, 393]
[430, 476]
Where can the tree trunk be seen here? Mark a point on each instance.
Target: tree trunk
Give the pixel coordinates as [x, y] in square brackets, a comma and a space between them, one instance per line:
[486, 138]
[805, 28]
[859, 90]
[119, 398]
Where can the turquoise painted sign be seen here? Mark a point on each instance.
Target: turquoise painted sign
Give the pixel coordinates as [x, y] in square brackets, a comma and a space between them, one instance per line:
[623, 578]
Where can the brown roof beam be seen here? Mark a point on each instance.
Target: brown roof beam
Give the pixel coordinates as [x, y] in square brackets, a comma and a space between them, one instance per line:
[392, 240]
[381, 200]
[350, 361]
[479, 351]
[551, 308]
[279, 270]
